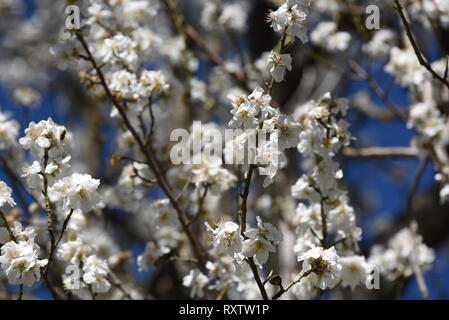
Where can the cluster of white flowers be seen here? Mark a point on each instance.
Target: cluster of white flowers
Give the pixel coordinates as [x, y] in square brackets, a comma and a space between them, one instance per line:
[88, 270]
[436, 10]
[261, 241]
[381, 43]
[328, 215]
[405, 67]
[129, 190]
[60, 192]
[9, 129]
[277, 64]
[255, 111]
[196, 281]
[20, 262]
[424, 116]
[229, 16]
[19, 257]
[165, 229]
[26, 97]
[327, 36]
[78, 191]
[324, 266]
[230, 248]
[403, 250]
[291, 17]
[207, 169]
[226, 238]
[49, 143]
[151, 254]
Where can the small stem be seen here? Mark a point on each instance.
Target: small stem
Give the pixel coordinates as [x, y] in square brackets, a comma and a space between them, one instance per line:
[414, 186]
[243, 211]
[281, 51]
[324, 224]
[222, 293]
[150, 109]
[284, 290]
[20, 292]
[49, 214]
[245, 194]
[259, 282]
[200, 206]
[64, 227]
[5, 220]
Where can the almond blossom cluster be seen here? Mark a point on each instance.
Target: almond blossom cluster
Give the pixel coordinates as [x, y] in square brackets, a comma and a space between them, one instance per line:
[325, 216]
[403, 251]
[19, 257]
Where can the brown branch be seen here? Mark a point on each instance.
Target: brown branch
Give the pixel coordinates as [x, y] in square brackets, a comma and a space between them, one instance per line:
[259, 282]
[363, 75]
[5, 221]
[380, 152]
[418, 53]
[243, 212]
[239, 76]
[244, 195]
[200, 206]
[282, 290]
[414, 186]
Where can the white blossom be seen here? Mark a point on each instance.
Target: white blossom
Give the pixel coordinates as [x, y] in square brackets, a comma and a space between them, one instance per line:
[5, 195]
[277, 64]
[78, 191]
[326, 36]
[152, 82]
[324, 266]
[20, 262]
[124, 84]
[355, 271]
[196, 280]
[404, 66]
[226, 237]
[95, 272]
[259, 248]
[150, 255]
[119, 49]
[45, 135]
[9, 129]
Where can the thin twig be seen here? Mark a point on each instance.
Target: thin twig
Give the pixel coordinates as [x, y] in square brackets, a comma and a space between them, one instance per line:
[377, 89]
[284, 290]
[5, 221]
[238, 76]
[243, 212]
[20, 292]
[413, 42]
[200, 206]
[64, 227]
[414, 186]
[259, 282]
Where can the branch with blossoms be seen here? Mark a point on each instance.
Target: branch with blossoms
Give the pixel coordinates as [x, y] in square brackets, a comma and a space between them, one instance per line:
[211, 140]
